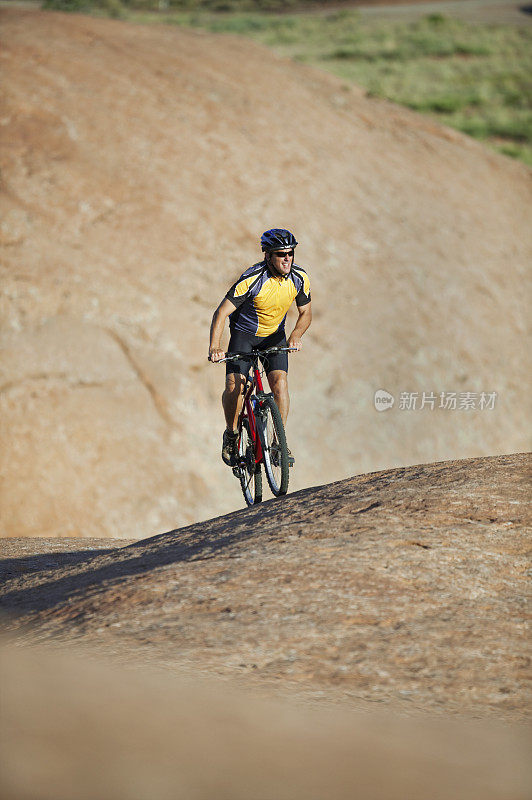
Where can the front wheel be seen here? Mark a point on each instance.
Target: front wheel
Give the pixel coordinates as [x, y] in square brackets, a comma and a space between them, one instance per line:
[275, 449]
[248, 471]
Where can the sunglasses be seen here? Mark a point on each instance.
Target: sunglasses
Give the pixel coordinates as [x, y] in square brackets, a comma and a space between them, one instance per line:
[284, 253]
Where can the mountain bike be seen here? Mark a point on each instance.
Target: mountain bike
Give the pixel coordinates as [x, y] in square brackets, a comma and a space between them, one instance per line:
[261, 436]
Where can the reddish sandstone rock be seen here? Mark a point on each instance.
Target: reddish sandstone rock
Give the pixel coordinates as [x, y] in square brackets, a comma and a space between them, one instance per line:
[406, 587]
[139, 165]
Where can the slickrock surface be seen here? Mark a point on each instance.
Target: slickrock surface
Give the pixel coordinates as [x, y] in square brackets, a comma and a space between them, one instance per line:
[405, 587]
[139, 166]
[77, 728]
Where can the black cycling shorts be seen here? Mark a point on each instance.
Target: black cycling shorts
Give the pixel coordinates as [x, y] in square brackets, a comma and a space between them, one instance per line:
[245, 342]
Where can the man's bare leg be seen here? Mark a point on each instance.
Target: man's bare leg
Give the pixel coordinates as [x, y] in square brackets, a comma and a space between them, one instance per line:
[232, 399]
[278, 380]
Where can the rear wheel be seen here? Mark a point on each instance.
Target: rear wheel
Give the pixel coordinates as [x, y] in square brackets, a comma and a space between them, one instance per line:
[249, 473]
[275, 449]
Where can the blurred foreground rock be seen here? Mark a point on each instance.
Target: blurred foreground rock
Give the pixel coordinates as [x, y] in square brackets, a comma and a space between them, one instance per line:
[72, 727]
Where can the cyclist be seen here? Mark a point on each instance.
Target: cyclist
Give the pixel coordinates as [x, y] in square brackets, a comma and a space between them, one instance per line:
[256, 306]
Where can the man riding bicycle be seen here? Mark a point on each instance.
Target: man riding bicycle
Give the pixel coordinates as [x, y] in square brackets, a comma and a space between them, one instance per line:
[256, 306]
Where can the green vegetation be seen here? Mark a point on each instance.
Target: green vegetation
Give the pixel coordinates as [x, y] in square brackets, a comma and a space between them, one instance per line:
[214, 6]
[475, 78]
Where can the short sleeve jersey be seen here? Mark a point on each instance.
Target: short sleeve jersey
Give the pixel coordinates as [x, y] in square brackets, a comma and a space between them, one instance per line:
[262, 299]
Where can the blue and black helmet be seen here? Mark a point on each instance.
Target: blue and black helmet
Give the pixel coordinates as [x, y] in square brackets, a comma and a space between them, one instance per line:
[277, 239]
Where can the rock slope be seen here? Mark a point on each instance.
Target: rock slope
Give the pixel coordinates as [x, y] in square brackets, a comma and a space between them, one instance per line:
[405, 587]
[139, 165]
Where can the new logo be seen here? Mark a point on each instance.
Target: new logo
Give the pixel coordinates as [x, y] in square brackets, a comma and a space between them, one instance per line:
[383, 400]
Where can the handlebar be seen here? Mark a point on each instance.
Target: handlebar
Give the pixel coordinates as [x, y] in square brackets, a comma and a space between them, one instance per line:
[256, 354]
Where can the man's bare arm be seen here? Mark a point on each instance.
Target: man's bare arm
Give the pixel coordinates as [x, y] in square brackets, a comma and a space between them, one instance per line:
[225, 308]
[305, 318]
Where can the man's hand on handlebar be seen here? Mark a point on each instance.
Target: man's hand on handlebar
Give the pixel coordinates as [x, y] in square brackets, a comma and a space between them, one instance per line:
[215, 354]
[295, 344]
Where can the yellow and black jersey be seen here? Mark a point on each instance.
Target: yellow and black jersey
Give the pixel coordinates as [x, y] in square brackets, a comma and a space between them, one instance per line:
[262, 298]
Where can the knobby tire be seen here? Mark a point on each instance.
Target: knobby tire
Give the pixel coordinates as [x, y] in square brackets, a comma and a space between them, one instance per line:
[250, 473]
[273, 438]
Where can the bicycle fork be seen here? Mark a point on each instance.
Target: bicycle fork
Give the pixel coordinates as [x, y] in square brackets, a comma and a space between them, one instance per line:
[252, 408]
[254, 416]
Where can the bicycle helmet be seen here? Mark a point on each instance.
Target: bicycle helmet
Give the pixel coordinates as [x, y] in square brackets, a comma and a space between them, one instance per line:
[277, 239]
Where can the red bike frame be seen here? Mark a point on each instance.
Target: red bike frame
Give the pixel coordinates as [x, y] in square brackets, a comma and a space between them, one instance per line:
[250, 413]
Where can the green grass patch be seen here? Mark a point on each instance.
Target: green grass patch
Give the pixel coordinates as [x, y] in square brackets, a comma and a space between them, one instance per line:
[475, 78]
[194, 6]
